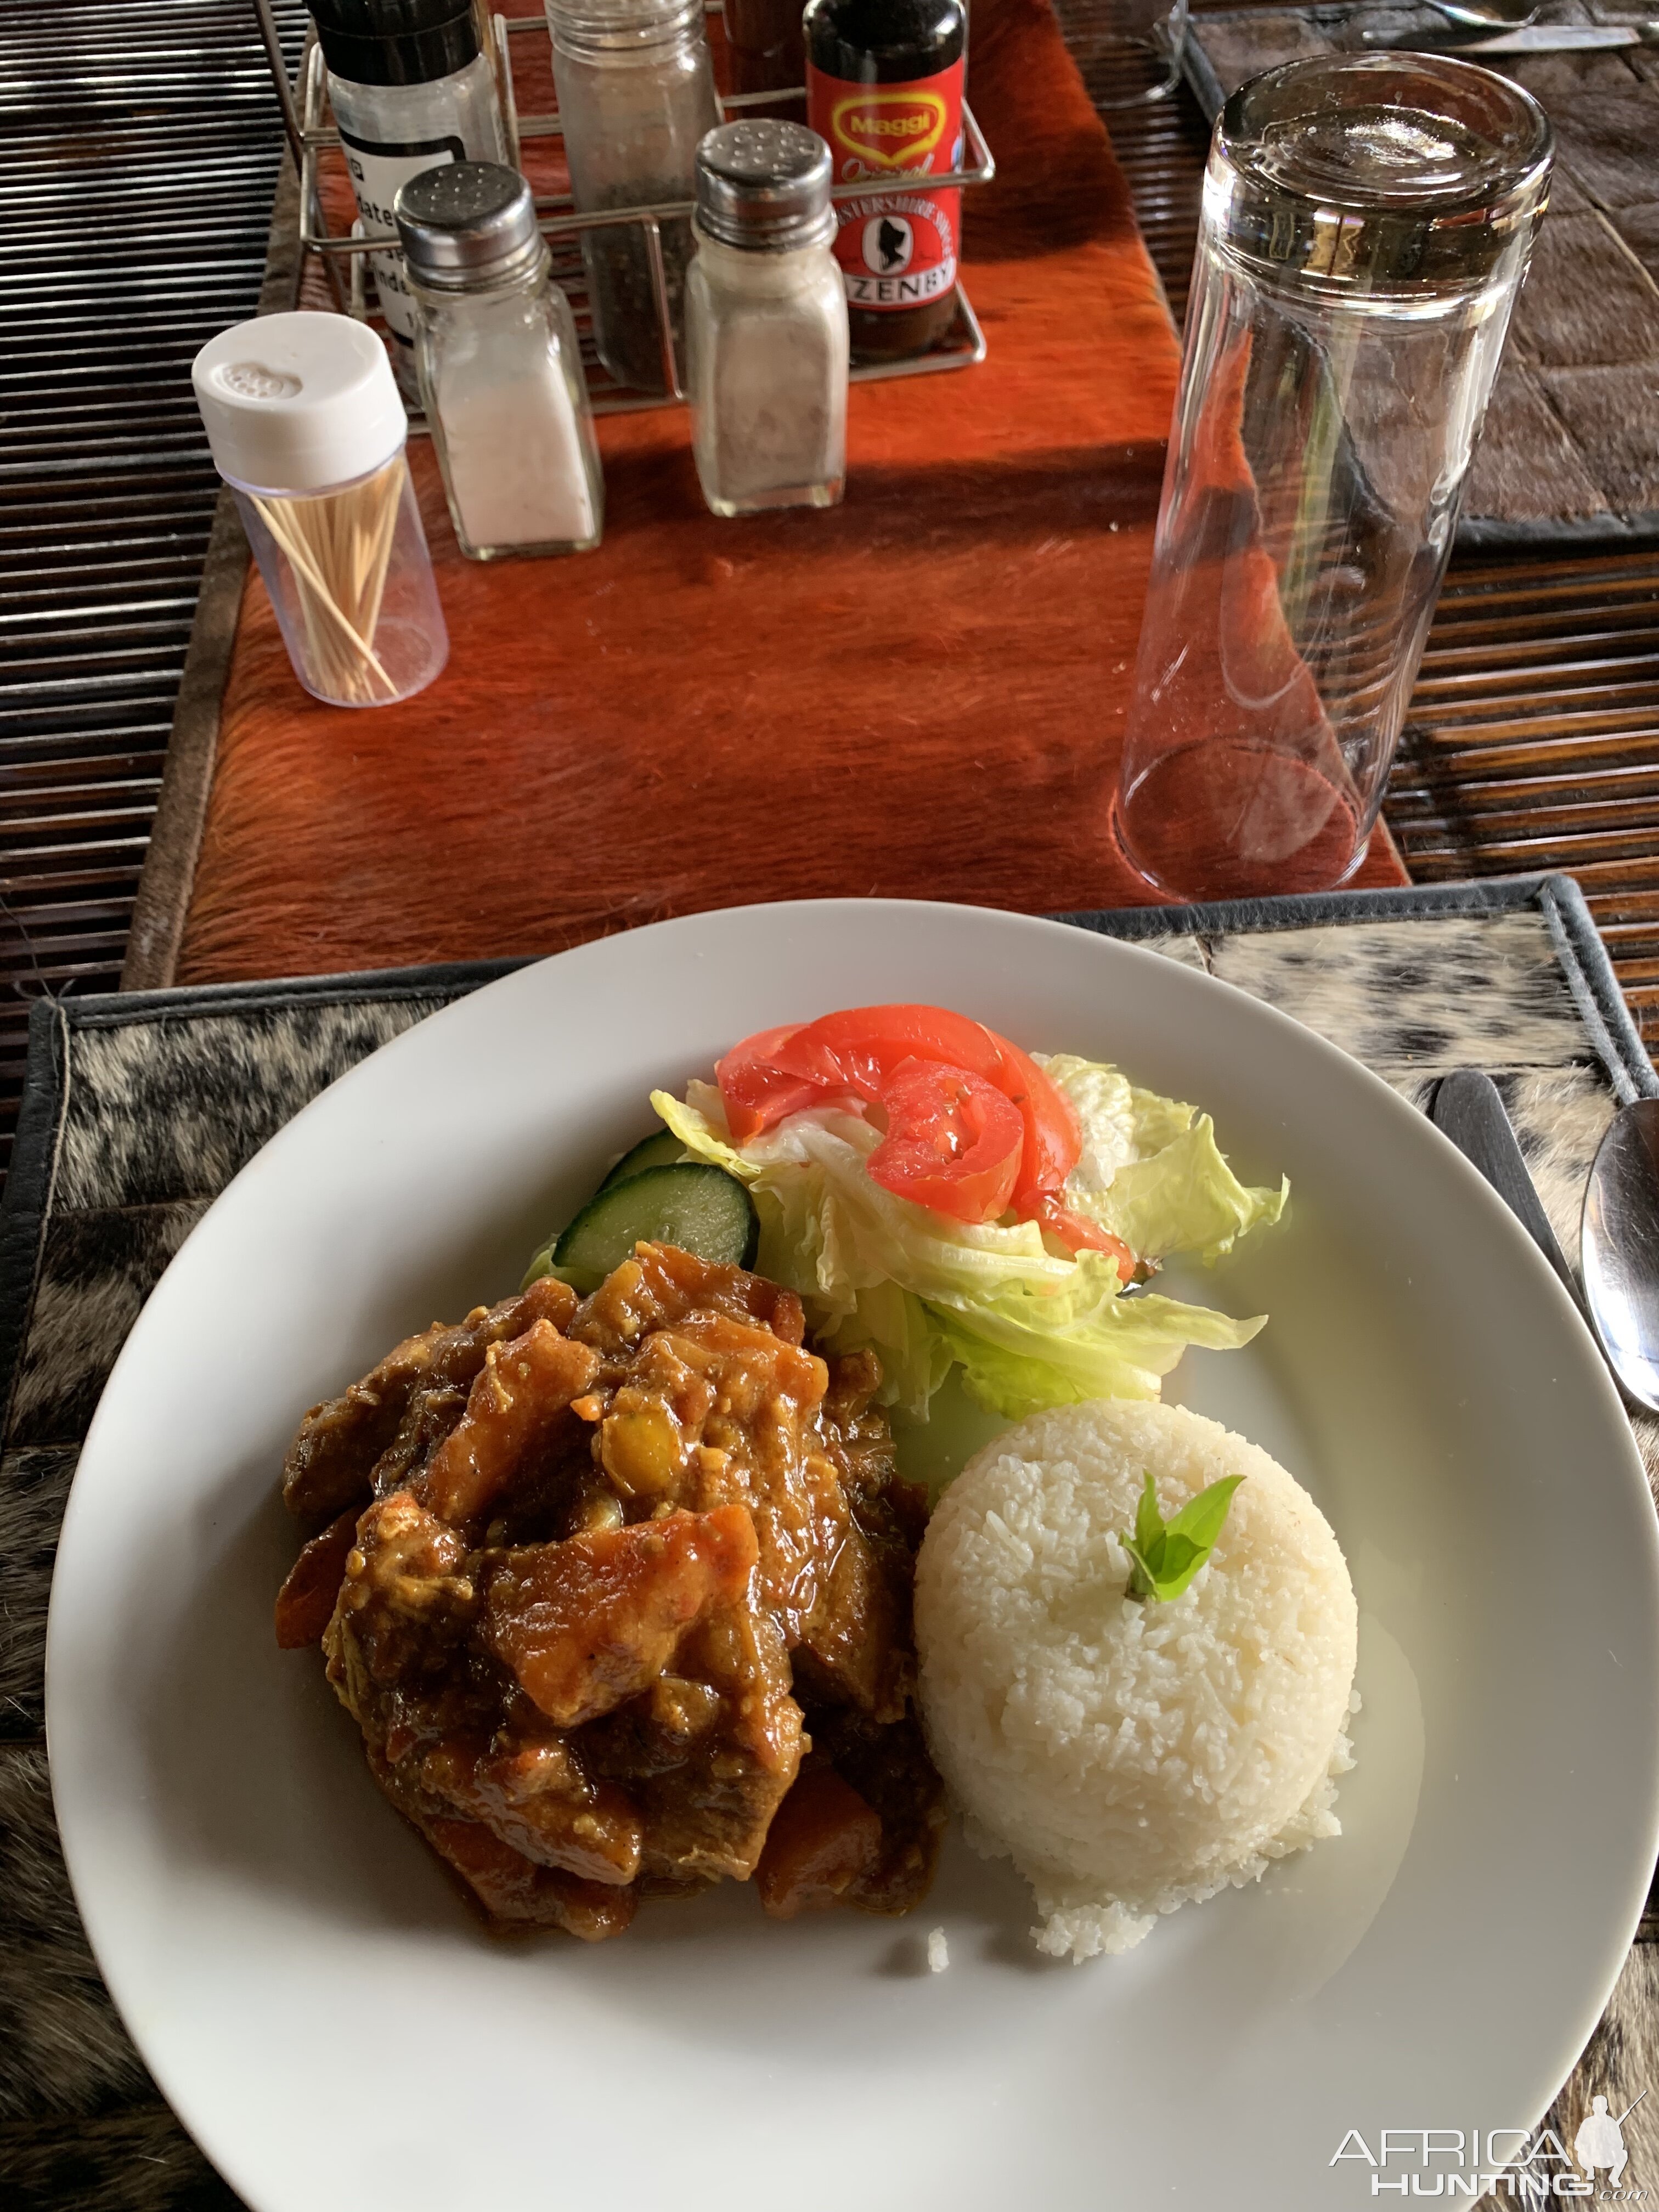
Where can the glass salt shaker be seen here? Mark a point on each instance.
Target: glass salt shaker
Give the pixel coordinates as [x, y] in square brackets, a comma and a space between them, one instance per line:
[766, 322]
[305, 424]
[636, 92]
[410, 90]
[500, 375]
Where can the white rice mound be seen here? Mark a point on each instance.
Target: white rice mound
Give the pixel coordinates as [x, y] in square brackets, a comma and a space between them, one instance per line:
[1131, 1756]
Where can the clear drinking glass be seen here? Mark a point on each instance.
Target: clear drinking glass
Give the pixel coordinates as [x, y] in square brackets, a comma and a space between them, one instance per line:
[1366, 224]
[1141, 44]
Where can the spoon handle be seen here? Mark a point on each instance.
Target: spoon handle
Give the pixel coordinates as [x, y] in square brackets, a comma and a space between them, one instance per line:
[1467, 1108]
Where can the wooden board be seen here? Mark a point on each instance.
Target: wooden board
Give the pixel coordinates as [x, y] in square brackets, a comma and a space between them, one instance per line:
[919, 695]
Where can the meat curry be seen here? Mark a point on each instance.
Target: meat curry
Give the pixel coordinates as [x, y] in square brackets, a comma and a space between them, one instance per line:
[618, 1591]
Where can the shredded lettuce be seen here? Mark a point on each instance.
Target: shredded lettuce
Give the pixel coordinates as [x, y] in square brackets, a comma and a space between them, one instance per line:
[1150, 1170]
[1029, 1325]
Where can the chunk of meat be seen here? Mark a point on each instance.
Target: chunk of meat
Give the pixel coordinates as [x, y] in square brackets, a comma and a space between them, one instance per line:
[405, 1608]
[534, 1795]
[305, 1603]
[824, 1839]
[527, 1383]
[889, 1767]
[586, 1624]
[515, 1891]
[660, 1284]
[590, 1564]
[329, 1462]
[709, 1794]
[858, 1632]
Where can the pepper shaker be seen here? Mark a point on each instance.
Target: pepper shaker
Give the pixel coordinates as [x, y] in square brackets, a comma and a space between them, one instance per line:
[499, 372]
[766, 322]
[410, 90]
[636, 92]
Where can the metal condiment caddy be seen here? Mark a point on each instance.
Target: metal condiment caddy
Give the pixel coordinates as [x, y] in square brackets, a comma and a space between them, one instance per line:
[311, 132]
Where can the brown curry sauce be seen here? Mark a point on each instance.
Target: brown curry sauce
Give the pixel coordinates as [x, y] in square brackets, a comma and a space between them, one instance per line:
[618, 1592]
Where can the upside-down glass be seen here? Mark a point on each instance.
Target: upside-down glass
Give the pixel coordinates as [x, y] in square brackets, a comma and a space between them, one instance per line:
[1366, 224]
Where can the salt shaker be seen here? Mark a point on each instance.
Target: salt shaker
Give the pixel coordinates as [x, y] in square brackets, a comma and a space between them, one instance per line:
[766, 322]
[305, 424]
[410, 90]
[499, 373]
[636, 92]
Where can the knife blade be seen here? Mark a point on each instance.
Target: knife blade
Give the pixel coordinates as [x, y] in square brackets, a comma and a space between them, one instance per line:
[1467, 1108]
[1529, 39]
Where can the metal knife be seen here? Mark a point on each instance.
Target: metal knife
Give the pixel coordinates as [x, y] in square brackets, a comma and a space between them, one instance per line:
[1529, 39]
[1466, 1108]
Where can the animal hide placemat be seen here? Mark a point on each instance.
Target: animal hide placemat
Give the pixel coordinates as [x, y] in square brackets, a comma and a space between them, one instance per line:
[139, 1109]
[1569, 451]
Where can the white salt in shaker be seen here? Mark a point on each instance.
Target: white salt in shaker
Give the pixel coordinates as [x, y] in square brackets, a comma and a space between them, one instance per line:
[306, 426]
[766, 322]
[499, 373]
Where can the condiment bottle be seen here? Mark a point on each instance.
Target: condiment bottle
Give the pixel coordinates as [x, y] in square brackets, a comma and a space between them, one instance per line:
[410, 90]
[636, 92]
[766, 322]
[884, 86]
[500, 368]
[306, 426]
[764, 39]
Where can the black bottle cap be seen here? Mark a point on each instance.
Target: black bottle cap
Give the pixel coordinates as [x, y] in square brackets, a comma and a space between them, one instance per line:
[395, 41]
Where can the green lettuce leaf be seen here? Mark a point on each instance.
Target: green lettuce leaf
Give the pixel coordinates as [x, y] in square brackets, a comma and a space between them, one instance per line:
[1152, 1172]
[1031, 1325]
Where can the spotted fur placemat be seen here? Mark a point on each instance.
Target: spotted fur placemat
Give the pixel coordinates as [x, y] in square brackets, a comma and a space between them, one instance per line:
[1571, 448]
[139, 1109]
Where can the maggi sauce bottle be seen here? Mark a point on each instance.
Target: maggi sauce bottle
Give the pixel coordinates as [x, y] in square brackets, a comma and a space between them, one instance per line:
[884, 86]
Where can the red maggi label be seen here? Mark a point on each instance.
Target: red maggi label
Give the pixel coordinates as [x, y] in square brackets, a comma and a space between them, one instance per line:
[897, 248]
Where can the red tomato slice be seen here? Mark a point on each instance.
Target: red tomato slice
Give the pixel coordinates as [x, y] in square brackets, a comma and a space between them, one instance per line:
[1077, 1235]
[755, 1089]
[857, 1052]
[953, 1141]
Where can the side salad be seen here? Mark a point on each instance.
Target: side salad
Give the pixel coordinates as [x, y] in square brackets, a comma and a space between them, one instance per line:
[936, 1195]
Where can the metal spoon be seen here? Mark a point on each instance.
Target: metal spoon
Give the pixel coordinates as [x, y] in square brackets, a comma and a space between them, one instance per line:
[1619, 1248]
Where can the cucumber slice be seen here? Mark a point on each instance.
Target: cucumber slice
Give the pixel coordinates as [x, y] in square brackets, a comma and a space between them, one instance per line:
[698, 1207]
[664, 1150]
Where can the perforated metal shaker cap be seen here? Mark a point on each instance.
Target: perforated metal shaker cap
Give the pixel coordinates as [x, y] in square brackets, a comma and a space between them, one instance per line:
[466, 224]
[764, 187]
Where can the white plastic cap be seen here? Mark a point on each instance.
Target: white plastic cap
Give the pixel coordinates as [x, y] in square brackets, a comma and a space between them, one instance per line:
[296, 403]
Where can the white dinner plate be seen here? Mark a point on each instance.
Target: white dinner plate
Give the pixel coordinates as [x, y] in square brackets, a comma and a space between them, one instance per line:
[336, 2028]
